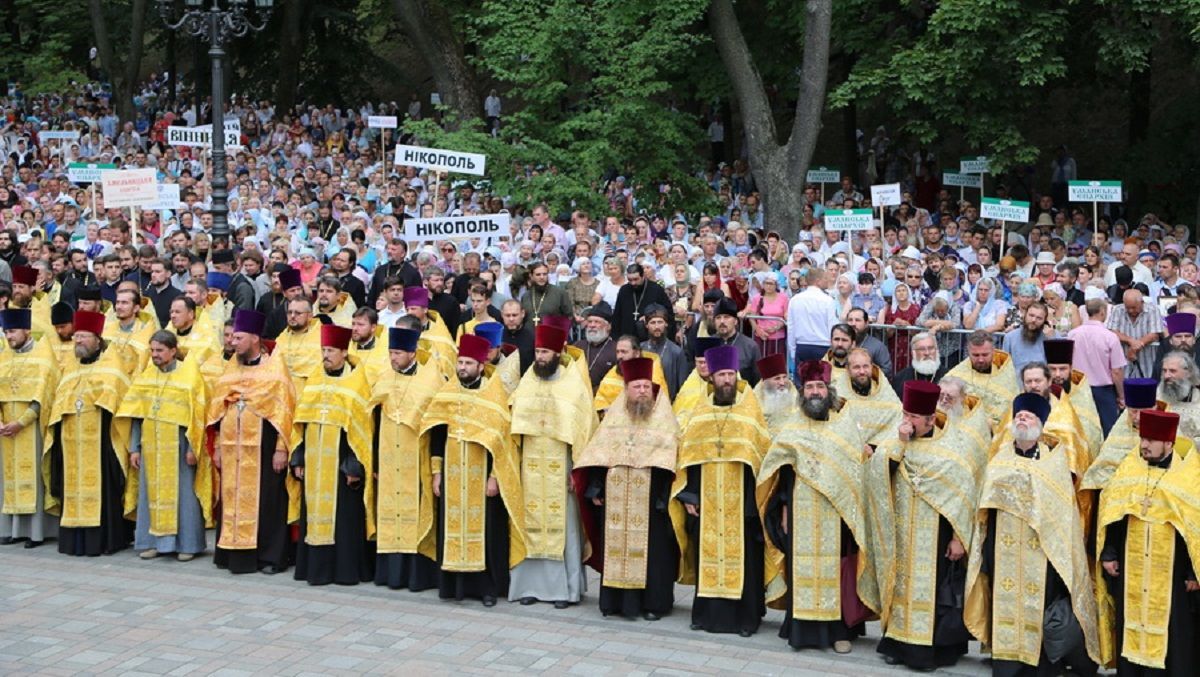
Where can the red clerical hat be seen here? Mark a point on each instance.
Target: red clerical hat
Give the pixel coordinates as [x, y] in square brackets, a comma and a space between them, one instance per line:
[1158, 425]
[333, 336]
[560, 321]
[550, 338]
[86, 320]
[772, 366]
[24, 275]
[474, 347]
[921, 397]
[815, 370]
[638, 369]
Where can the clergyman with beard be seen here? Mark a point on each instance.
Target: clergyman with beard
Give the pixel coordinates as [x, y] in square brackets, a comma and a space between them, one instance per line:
[926, 364]
[776, 393]
[866, 390]
[1024, 343]
[988, 374]
[628, 467]
[810, 499]
[599, 348]
[1180, 328]
[1180, 380]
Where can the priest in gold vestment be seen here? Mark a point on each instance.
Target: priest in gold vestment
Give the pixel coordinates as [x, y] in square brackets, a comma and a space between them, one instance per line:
[810, 497]
[87, 460]
[62, 339]
[713, 510]
[128, 332]
[299, 345]
[627, 469]
[333, 461]
[777, 396]
[920, 487]
[552, 421]
[476, 476]
[1149, 541]
[172, 479]
[1122, 440]
[696, 387]
[251, 409]
[28, 376]
[989, 375]
[869, 395]
[1028, 574]
[405, 513]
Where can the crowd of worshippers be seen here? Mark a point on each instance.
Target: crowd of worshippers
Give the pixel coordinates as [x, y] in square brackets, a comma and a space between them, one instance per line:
[987, 502]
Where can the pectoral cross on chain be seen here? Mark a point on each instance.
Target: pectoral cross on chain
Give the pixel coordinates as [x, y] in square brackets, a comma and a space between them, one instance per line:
[241, 405]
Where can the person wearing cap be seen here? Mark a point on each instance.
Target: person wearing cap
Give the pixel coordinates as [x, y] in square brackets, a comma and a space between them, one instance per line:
[299, 345]
[627, 469]
[814, 516]
[777, 396]
[1044, 267]
[333, 460]
[552, 420]
[406, 542]
[1140, 394]
[285, 285]
[88, 458]
[728, 323]
[988, 373]
[62, 339]
[30, 368]
[433, 330]
[670, 356]
[632, 300]
[128, 330]
[1075, 386]
[1026, 564]
[252, 406]
[598, 346]
[479, 524]
[212, 307]
[240, 290]
[1149, 542]
[713, 510]
[1180, 329]
[171, 478]
[1101, 362]
[88, 298]
[24, 294]
[613, 384]
[920, 526]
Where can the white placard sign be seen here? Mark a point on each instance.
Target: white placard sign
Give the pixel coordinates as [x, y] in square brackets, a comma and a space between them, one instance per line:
[201, 137]
[168, 197]
[231, 125]
[885, 195]
[58, 135]
[849, 219]
[1094, 191]
[973, 165]
[382, 121]
[484, 226]
[1004, 210]
[129, 187]
[962, 180]
[442, 160]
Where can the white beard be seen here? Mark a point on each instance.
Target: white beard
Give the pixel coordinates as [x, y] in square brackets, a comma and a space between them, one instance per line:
[954, 412]
[775, 401]
[1026, 434]
[926, 367]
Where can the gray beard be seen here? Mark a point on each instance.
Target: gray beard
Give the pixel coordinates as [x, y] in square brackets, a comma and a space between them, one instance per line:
[775, 401]
[954, 412]
[1026, 435]
[1175, 391]
[817, 408]
[596, 336]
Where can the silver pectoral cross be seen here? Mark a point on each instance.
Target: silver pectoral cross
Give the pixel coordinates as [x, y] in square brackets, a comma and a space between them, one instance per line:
[241, 405]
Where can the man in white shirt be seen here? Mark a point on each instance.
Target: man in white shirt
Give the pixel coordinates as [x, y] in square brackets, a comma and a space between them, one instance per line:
[1129, 257]
[811, 315]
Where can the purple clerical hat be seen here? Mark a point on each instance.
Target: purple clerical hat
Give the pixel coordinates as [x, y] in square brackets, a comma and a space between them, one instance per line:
[249, 322]
[721, 358]
[1180, 323]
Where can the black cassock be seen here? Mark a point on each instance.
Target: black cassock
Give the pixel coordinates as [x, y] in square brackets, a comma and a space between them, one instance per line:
[115, 533]
[801, 633]
[274, 547]
[1181, 627]
[493, 580]
[348, 561]
[741, 615]
[662, 554]
[1078, 660]
[402, 569]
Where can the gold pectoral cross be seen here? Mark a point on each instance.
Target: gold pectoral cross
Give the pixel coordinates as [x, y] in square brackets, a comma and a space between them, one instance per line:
[1145, 505]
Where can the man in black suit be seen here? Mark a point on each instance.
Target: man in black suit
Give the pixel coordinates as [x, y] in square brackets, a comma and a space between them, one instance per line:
[395, 266]
[342, 265]
[161, 292]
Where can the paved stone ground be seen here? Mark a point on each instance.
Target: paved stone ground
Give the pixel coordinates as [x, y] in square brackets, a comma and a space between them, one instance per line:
[123, 616]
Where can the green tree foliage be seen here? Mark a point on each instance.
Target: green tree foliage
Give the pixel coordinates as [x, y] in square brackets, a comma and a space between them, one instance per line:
[43, 45]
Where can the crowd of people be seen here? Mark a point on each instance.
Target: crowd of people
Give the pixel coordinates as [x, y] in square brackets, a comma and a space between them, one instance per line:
[887, 424]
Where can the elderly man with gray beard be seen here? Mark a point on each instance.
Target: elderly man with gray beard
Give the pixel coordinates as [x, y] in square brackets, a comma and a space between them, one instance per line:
[926, 363]
[777, 396]
[1180, 380]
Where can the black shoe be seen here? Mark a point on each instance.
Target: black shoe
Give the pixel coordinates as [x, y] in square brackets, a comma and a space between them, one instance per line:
[746, 633]
[891, 660]
[489, 600]
[528, 601]
[651, 616]
[7, 540]
[271, 571]
[560, 604]
[696, 626]
[29, 545]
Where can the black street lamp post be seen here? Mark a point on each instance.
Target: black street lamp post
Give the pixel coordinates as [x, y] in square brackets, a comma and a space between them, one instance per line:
[215, 24]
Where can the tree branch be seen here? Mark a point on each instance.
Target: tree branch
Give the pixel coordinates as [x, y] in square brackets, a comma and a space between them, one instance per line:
[814, 76]
[744, 78]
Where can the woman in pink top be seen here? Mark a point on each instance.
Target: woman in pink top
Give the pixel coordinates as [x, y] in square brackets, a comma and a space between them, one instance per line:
[769, 334]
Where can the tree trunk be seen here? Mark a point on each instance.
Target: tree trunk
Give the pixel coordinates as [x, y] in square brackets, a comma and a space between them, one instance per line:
[295, 17]
[778, 168]
[137, 44]
[123, 76]
[429, 27]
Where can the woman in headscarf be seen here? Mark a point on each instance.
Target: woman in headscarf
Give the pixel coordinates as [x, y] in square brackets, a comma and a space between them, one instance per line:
[985, 310]
[902, 314]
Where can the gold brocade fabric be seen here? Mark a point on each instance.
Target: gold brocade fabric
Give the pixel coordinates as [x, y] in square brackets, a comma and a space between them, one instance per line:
[375, 359]
[1085, 408]
[1189, 415]
[25, 378]
[508, 372]
[559, 408]
[477, 423]
[165, 402]
[132, 347]
[935, 476]
[437, 340]
[826, 458]
[1155, 504]
[723, 441]
[878, 413]
[545, 467]
[630, 450]
[342, 312]
[1122, 440]
[300, 352]
[405, 509]
[200, 342]
[613, 384]
[64, 351]
[214, 312]
[244, 400]
[996, 388]
[1030, 497]
[329, 406]
[690, 393]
